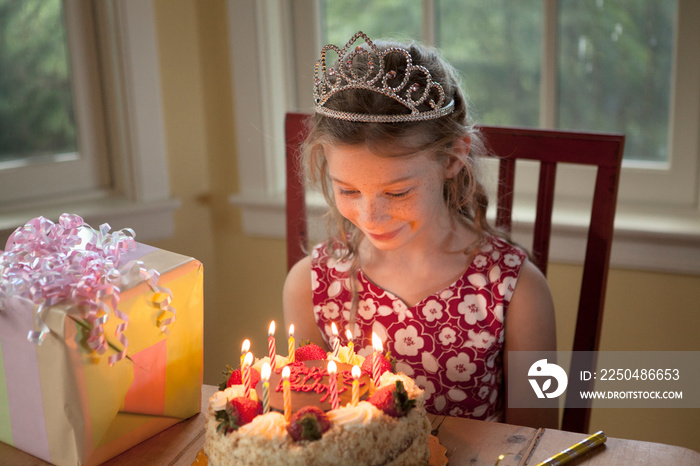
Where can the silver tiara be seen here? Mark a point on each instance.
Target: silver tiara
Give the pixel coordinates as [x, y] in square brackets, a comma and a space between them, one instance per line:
[328, 81]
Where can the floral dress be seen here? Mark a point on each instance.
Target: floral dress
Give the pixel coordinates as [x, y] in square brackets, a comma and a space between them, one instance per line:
[450, 343]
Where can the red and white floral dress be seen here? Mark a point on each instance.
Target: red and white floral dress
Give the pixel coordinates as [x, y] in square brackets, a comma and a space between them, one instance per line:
[451, 343]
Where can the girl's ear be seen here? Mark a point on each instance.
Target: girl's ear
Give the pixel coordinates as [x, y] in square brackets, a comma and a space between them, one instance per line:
[460, 153]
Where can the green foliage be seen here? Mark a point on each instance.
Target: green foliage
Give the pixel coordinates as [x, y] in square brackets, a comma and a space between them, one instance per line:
[36, 110]
[227, 373]
[615, 71]
[614, 59]
[228, 420]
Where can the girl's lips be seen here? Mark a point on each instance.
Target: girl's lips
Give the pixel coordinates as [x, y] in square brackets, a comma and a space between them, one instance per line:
[385, 236]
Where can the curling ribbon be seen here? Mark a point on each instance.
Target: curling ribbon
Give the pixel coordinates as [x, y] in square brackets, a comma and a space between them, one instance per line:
[71, 263]
[162, 297]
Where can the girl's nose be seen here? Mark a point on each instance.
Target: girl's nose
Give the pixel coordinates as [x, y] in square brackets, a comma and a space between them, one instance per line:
[373, 213]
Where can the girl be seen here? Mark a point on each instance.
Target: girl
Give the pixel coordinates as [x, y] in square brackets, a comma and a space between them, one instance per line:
[410, 254]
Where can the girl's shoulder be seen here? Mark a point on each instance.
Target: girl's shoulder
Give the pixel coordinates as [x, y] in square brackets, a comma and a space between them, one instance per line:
[495, 243]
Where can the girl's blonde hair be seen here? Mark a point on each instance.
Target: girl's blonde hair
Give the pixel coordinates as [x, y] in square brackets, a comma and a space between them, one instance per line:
[465, 196]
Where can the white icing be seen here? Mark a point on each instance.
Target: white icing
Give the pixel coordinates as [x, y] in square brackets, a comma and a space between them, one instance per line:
[218, 401]
[235, 391]
[408, 384]
[280, 361]
[344, 357]
[270, 426]
[362, 414]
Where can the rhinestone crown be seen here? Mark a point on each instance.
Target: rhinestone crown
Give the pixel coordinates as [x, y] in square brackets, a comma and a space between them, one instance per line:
[328, 81]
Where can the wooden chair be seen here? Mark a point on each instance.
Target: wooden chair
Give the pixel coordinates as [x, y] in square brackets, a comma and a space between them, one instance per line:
[548, 147]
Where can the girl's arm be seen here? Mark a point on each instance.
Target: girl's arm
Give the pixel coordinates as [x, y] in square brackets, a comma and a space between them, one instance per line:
[530, 326]
[298, 303]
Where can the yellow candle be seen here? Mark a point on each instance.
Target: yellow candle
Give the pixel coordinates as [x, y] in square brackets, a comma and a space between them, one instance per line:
[245, 347]
[265, 375]
[356, 372]
[286, 394]
[291, 343]
[351, 345]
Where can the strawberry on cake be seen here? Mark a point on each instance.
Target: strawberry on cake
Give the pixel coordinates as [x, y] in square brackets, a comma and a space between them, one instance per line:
[388, 425]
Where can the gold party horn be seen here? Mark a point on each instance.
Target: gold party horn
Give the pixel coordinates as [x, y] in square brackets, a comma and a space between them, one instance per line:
[577, 450]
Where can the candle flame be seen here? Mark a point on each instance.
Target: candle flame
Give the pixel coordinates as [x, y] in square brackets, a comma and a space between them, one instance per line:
[271, 332]
[248, 360]
[348, 334]
[332, 367]
[356, 372]
[334, 329]
[245, 347]
[265, 372]
[291, 330]
[286, 372]
[376, 342]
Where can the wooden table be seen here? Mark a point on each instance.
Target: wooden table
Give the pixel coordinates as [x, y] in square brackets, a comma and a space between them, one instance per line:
[467, 442]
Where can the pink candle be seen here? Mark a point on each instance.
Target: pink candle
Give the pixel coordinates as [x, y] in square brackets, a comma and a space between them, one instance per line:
[356, 372]
[377, 344]
[245, 373]
[286, 394]
[271, 344]
[333, 384]
[291, 343]
[336, 340]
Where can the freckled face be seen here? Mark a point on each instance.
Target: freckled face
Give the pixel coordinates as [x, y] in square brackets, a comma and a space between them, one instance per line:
[392, 200]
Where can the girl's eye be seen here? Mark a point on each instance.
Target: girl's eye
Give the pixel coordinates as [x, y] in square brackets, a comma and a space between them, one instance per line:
[399, 195]
[346, 192]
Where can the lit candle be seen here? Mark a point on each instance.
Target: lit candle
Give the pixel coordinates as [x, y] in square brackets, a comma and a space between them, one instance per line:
[356, 372]
[286, 394]
[291, 343]
[377, 344]
[351, 345]
[271, 344]
[336, 340]
[245, 370]
[333, 384]
[265, 375]
[245, 347]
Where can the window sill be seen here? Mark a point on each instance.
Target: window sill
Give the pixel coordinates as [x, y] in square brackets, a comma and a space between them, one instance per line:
[660, 241]
[150, 220]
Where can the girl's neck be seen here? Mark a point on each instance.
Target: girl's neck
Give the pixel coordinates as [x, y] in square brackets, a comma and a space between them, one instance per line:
[447, 238]
[419, 270]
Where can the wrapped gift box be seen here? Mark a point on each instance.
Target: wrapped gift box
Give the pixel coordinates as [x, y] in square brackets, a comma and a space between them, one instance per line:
[86, 375]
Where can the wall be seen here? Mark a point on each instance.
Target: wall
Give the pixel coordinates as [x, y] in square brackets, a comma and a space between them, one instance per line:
[244, 275]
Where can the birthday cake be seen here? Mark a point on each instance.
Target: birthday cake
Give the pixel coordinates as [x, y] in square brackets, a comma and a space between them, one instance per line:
[347, 420]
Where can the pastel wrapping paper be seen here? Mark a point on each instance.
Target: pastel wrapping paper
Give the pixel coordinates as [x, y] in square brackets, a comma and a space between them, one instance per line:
[64, 403]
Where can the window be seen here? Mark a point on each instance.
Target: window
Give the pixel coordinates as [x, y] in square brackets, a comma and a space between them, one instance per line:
[40, 145]
[109, 165]
[564, 62]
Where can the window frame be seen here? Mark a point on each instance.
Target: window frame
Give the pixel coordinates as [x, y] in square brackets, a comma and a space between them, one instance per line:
[139, 194]
[659, 233]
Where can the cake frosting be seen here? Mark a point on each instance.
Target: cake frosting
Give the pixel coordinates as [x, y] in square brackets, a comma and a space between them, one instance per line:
[360, 434]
